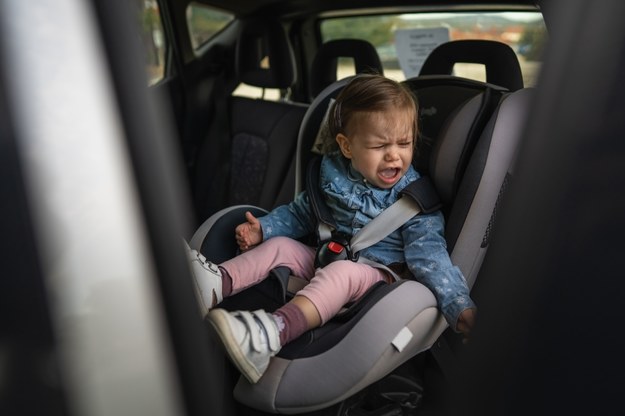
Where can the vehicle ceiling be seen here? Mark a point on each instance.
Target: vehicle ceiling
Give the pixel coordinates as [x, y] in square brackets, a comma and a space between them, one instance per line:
[297, 7]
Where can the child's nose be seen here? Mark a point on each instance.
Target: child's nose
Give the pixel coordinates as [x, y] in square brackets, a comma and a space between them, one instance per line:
[392, 153]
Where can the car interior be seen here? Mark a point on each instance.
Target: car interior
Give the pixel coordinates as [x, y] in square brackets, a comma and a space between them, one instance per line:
[160, 120]
[462, 131]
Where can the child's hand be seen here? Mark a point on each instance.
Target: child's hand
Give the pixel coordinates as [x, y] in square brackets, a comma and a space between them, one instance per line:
[466, 320]
[249, 233]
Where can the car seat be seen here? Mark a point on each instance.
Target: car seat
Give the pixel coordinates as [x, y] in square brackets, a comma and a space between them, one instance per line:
[259, 135]
[324, 65]
[395, 322]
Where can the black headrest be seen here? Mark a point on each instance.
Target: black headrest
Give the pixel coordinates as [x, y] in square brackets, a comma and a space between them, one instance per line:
[260, 39]
[323, 69]
[500, 61]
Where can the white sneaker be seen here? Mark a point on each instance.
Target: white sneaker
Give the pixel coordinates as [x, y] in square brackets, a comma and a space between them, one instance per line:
[208, 281]
[250, 338]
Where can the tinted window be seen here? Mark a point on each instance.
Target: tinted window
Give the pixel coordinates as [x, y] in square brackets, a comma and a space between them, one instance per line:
[204, 22]
[153, 40]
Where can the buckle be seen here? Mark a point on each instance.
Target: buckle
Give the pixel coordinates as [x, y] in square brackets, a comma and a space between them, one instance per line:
[337, 248]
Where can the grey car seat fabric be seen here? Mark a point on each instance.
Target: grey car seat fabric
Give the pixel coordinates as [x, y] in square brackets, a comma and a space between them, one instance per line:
[324, 65]
[260, 135]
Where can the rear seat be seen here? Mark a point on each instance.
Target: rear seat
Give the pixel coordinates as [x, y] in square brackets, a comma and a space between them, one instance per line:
[262, 134]
[323, 70]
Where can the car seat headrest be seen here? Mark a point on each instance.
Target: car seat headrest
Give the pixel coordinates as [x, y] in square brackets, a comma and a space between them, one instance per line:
[324, 65]
[264, 57]
[500, 61]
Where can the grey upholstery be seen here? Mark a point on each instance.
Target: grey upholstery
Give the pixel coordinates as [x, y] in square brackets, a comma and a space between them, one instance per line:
[324, 65]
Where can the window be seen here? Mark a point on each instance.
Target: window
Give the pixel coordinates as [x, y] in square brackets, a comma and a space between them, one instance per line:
[204, 22]
[404, 40]
[153, 40]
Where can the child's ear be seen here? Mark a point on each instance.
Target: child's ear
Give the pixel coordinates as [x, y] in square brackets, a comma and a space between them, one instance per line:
[344, 145]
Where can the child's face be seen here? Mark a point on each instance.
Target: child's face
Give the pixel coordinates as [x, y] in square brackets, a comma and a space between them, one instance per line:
[380, 145]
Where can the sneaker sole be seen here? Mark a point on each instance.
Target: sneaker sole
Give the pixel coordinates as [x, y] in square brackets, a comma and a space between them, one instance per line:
[220, 320]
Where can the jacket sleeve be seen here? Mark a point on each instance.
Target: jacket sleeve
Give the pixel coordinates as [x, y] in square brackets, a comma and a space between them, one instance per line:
[293, 220]
[425, 250]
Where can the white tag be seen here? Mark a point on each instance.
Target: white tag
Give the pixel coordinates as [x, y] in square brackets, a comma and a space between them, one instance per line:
[402, 339]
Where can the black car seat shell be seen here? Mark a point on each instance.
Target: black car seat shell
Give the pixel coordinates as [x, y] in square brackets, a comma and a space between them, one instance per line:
[325, 63]
[393, 323]
[261, 134]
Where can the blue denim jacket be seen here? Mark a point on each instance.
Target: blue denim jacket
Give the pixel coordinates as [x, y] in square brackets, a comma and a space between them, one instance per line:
[419, 243]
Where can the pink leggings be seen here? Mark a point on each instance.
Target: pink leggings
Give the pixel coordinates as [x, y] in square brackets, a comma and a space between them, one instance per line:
[330, 288]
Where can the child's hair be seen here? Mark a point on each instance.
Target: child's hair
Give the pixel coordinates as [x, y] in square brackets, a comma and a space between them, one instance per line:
[370, 93]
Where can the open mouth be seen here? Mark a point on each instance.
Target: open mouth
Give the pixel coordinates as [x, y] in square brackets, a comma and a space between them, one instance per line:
[389, 175]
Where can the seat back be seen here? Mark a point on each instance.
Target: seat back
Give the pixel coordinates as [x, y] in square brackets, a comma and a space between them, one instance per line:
[260, 136]
[325, 63]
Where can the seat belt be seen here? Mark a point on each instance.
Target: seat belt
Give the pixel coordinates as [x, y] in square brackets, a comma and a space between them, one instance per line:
[384, 224]
[419, 196]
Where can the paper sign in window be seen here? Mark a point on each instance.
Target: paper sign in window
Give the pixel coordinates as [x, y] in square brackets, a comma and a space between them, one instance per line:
[414, 45]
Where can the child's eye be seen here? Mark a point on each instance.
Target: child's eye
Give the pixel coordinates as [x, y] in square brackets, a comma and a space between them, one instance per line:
[405, 144]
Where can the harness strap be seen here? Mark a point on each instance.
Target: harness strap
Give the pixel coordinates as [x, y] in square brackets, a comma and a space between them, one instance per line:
[418, 196]
[326, 224]
[423, 192]
[388, 221]
[377, 265]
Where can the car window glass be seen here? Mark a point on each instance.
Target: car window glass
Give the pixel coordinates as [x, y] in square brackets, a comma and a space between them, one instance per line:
[153, 40]
[204, 22]
[404, 40]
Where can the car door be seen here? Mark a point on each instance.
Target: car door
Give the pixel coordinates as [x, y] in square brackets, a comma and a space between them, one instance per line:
[98, 314]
